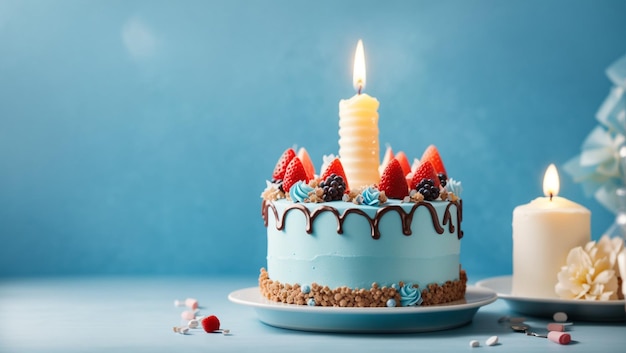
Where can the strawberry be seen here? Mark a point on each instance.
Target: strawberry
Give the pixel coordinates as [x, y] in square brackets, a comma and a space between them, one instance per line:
[431, 154]
[414, 166]
[283, 162]
[392, 182]
[404, 162]
[335, 167]
[210, 324]
[294, 173]
[386, 159]
[424, 171]
[306, 162]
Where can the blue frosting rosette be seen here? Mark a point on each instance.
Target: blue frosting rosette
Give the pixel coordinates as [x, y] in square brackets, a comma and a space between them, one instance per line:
[370, 196]
[299, 191]
[409, 295]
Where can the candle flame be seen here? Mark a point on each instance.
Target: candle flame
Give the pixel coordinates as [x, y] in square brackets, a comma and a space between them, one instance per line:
[358, 75]
[551, 182]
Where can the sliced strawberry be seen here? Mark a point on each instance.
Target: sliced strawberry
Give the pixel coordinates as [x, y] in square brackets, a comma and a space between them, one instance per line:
[392, 182]
[294, 173]
[404, 162]
[414, 166]
[283, 162]
[386, 159]
[424, 171]
[306, 162]
[335, 167]
[431, 154]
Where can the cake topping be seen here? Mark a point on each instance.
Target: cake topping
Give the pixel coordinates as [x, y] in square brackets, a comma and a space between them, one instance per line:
[443, 179]
[335, 167]
[370, 196]
[427, 188]
[392, 181]
[281, 165]
[454, 189]
[426, 170]
[306, 162]
[333, 188]
[395, 182]
[295, 172]
[299, 192]
[431, 154]
[404, 162]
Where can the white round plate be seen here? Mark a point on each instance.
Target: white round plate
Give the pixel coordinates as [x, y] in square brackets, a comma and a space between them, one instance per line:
[371, 320]
[584, 310]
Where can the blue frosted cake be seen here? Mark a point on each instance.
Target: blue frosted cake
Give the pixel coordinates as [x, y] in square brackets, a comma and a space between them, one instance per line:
[395, 243]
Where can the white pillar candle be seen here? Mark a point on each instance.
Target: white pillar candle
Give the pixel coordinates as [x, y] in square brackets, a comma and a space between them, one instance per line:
[359, 149]
[544, 231]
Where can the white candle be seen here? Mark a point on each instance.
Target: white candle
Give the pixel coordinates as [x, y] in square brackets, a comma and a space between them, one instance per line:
[358, 131]
[544, 231]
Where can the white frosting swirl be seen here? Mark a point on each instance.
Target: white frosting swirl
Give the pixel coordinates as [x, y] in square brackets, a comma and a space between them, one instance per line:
[454, 186]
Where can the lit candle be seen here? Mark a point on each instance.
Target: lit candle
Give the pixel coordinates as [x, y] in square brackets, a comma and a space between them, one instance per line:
[358, 130]
[544, 231]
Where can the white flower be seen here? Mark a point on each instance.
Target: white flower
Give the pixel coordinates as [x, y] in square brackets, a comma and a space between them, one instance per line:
[590, 272]
[607, 247]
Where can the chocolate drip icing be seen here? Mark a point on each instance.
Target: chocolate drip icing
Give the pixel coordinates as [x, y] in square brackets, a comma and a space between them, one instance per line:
[405, 217]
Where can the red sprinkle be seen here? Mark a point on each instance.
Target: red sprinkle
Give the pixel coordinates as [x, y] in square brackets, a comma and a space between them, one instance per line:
[211, 324]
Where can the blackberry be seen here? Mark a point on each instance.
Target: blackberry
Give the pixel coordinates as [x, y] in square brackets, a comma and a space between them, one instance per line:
[427, 188]
[443, 179]
[334, 187]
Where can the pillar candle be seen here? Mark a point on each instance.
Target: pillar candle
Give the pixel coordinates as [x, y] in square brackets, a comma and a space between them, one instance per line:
[359, 148]
[544, 231]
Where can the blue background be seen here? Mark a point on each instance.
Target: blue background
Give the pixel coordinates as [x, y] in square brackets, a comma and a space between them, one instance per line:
[136, 136]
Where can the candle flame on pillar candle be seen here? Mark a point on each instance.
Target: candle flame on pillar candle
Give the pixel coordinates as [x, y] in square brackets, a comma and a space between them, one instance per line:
[551, 182]
[358, 73]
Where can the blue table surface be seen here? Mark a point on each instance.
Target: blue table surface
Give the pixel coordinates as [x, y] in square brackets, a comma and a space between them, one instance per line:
[108, 314]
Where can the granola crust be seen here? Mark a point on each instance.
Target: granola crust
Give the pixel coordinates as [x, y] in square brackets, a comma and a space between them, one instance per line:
[375, 296]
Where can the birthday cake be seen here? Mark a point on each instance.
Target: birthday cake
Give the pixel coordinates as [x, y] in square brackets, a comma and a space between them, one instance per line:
[362, 233]
[392, 243]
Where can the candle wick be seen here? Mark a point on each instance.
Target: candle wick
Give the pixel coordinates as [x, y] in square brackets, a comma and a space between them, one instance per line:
[551, 196]
[359, 91]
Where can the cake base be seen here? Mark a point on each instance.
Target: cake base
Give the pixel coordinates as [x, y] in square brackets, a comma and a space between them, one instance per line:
[376, 296]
